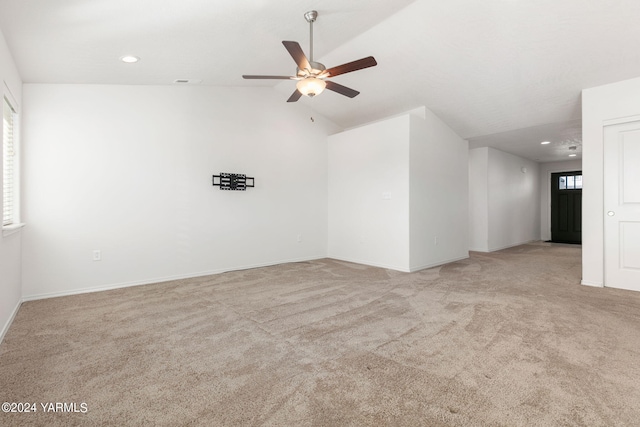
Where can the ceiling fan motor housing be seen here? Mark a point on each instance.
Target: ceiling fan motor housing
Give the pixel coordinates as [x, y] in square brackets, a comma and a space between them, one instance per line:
[316, 69]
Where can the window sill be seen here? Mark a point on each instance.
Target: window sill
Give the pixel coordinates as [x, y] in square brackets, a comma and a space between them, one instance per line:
[11, 229]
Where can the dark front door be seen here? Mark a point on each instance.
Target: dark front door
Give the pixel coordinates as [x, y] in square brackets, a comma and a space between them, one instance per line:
[566, 207]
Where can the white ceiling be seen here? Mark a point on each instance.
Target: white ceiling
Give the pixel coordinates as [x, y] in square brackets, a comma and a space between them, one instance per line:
[527, 142]
[503, 73]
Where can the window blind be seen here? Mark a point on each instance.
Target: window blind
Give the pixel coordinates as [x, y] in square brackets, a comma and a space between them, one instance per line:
[8, 164]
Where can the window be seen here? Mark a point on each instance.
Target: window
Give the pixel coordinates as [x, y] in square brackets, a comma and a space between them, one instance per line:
[9, 167]
[570, 182]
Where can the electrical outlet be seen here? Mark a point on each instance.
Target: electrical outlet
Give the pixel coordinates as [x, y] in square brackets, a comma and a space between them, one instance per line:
[299, 238]
[97, 255]
[435, 241]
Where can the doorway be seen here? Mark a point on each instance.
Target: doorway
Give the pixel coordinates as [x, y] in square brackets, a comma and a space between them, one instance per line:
[566, 207]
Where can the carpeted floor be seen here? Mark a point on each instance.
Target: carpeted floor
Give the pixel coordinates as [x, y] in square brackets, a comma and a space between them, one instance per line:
[502, 339]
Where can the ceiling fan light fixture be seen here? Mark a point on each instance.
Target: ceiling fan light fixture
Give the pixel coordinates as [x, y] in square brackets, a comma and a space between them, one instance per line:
[311, 86]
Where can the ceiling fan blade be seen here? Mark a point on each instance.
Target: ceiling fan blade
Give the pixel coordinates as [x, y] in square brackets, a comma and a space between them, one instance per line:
[351, 66]
[297, 54]
[294, 96]
[267, 77]
[342, 90]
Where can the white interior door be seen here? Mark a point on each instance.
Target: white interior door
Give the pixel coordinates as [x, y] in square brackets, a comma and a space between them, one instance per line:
[622, 206]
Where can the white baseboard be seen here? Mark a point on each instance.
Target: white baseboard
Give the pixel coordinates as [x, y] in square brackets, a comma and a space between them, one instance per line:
[435, 264]
[484, 250]
[160, 279]
[371, 264]
[511, 246]
[594, 284]
[9, 321]
[489, 250]
[396, 268]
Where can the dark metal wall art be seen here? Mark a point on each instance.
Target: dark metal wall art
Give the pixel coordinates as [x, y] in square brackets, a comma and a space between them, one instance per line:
[233, 181]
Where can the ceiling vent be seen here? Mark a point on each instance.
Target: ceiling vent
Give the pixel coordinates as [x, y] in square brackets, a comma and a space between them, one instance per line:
[187, 81]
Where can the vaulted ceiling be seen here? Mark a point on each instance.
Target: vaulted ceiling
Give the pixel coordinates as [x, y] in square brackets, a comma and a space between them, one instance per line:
[502, 73]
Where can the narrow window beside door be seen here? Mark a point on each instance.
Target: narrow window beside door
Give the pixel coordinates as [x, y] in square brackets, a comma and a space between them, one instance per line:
[9, 181]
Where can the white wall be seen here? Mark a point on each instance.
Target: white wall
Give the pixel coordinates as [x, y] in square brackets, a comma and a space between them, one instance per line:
[127, 170]
[10, 243]
[546, 169]
[394, 187]
[369, 194]
[513, 199]
[479, 199]
[614, 102]
[439, 206]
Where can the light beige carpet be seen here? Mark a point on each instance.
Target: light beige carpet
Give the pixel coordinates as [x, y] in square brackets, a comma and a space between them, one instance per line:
[502, 339]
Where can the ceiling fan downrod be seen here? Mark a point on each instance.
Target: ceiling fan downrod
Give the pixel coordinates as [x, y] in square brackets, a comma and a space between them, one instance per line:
[311, 18]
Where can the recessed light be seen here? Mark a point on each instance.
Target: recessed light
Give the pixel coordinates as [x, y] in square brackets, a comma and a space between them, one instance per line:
[572, 155]
[129, 59]
[545, 142]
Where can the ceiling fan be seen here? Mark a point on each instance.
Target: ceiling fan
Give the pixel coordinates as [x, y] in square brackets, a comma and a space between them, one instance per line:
[311, 75]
